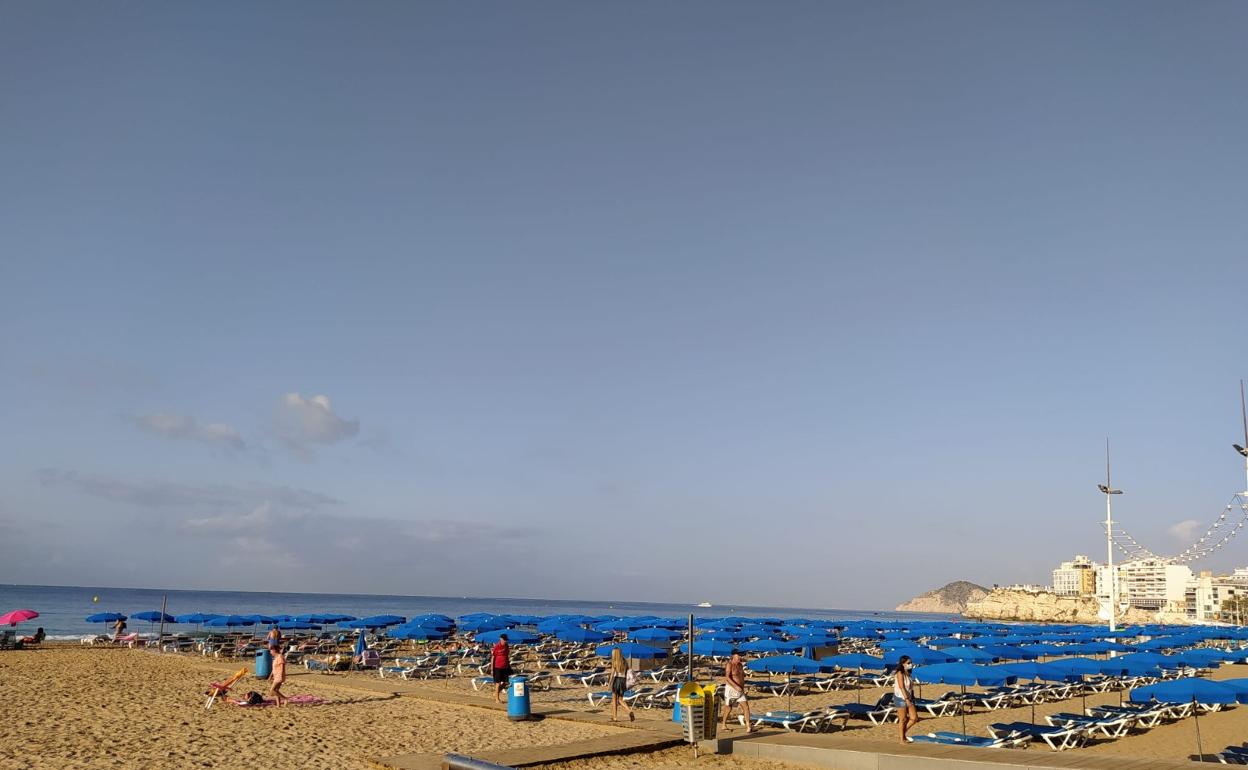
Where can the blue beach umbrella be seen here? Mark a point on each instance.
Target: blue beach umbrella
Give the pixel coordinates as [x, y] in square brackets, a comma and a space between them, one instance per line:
[854, 660]
[654, 635]
[922, 656]
[514, 636]
[631, 650]
[230, 621]
[769, 646]
[581, 635]
[969, 654]
[153, 616]
[479, 625]
[297, 625]
[784, 664]
[709, 648]
[105, 617]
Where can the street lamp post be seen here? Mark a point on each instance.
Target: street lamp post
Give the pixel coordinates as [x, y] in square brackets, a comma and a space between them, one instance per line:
[1243, 450]
[1109, 491]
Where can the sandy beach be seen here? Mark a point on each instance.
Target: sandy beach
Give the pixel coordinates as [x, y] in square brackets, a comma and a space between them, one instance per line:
[70, 707]
[74, 707]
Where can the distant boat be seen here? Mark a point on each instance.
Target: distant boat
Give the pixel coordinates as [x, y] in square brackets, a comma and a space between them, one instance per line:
[704, 604]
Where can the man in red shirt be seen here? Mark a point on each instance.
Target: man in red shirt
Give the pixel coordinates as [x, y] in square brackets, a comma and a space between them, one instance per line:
[500, 658]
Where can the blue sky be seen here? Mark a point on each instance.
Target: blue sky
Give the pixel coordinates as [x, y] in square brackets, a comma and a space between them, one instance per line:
[798, 292]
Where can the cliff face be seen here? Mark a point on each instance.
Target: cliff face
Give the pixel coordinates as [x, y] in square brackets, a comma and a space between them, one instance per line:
[1002, 604]
[952, 598]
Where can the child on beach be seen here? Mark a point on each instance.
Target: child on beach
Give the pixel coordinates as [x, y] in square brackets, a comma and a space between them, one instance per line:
[278, 677]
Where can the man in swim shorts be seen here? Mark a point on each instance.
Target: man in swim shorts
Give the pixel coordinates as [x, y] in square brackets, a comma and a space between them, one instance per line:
[734, 690]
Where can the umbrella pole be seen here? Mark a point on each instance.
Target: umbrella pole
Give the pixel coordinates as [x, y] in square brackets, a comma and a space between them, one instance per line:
[164, 604]
[1200, 752]
[962, 709]
[690, 677]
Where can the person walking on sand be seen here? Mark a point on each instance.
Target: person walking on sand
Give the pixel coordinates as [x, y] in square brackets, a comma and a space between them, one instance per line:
[734, 690]
[278, 677]
[500, 660]
[903, 696]
[619, 685]
[274, 638]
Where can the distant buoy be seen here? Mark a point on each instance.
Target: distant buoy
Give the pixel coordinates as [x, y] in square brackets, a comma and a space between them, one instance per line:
[95, 600]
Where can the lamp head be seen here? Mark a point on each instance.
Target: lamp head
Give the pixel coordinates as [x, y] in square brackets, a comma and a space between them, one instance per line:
[1240, 449]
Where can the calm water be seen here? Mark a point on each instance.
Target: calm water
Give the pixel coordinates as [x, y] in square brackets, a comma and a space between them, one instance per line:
[62, 609]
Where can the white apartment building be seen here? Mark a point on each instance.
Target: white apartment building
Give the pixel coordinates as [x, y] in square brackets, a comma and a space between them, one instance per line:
[1150, 584]
[1206, 593]
[1075, 578]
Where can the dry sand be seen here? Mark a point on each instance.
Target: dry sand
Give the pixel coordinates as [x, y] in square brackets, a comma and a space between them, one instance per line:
[70, 707]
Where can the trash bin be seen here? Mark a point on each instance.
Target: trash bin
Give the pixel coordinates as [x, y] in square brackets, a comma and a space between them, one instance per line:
[518, 699]
[264, 664]
[697, 711]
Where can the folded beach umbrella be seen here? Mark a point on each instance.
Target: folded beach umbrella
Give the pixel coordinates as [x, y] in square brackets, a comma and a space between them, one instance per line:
[361, 645]
[654, 635]
[581, 635]
[631, 650]
[153, 616]
[17, 616]
[1192, 690]
[105, 617]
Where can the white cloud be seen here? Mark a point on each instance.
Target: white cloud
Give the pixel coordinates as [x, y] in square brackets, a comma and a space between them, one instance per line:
[302, 423]
[181, 426]
[1185, 530]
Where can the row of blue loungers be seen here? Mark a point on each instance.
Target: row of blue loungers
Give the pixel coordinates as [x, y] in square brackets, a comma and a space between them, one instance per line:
[1063, 731]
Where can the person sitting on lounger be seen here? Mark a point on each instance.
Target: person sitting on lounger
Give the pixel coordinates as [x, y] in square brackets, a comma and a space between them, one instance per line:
[734, 690]
[278, 676]
[119, 629]
[903, 696]
[37, 638]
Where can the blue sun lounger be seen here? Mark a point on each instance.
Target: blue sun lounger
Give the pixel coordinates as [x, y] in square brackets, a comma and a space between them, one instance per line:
[978, 741]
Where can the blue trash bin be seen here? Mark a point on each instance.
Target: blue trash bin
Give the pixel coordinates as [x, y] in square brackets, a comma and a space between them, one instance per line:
[518, 699]
[264, 664]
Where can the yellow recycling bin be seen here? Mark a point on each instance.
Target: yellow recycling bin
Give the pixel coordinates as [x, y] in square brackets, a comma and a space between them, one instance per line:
[698, 711]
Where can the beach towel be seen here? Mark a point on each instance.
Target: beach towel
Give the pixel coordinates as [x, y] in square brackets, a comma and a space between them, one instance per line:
[294, 700]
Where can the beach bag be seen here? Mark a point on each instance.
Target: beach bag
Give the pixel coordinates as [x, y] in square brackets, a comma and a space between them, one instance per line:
[630, 679]
[253, 698]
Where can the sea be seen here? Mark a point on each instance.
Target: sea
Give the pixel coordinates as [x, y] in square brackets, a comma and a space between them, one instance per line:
[63, 609]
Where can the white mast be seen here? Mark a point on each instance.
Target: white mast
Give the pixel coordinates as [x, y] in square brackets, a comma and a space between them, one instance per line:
[1243, 450]
[1108, 489]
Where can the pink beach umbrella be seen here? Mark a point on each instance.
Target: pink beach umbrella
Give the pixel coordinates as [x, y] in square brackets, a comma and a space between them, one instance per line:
[17, 616]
